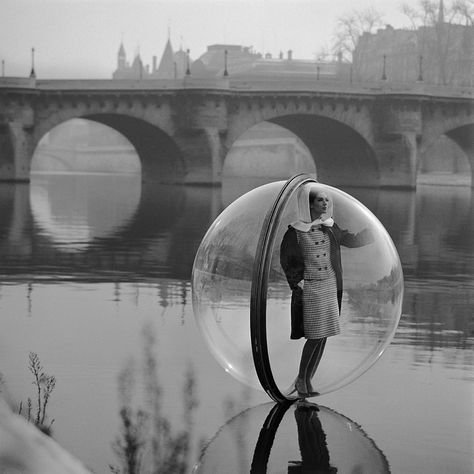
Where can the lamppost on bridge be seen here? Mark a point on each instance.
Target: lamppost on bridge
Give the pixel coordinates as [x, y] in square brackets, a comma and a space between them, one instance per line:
[317, 72]
[3, 68]
[32, 73]
[188, 70]
[420, 68]
[384, 72]
[226, 73]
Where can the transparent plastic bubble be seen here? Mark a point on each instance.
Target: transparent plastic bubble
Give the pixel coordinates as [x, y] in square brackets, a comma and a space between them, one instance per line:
[242, 298]
[291, 438]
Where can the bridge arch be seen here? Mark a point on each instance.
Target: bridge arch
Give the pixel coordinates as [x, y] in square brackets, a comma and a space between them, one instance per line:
[342, 156]
[267, 151]
[457, 127]
[159, 155]
[464, 137]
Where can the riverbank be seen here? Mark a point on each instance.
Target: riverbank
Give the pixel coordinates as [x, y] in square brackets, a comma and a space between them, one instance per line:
[444, 179]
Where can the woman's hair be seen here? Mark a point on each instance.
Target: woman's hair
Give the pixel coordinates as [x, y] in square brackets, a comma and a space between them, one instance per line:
[312, 195]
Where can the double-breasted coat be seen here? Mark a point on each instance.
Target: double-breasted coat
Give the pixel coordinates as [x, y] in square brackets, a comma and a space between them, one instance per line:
[292, 262]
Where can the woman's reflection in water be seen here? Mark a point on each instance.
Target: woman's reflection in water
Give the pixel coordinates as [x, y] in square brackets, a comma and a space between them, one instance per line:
[270, 442]
[312, 441]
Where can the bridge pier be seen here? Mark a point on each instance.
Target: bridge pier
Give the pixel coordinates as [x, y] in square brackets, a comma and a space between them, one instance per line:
[16, 149]
[203, 154]
[464, 137]
[218, 153]
[397, 155]
[398, 127]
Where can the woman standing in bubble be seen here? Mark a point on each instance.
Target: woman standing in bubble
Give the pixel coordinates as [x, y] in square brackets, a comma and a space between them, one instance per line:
[310, 256]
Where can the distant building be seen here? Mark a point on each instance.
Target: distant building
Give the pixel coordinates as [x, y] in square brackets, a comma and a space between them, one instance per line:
[171, 66]
[124, 70]
[242, 61]
[231, 59]
[439, 54]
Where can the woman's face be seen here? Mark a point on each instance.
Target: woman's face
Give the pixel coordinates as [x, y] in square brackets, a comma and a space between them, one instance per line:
[319, 205]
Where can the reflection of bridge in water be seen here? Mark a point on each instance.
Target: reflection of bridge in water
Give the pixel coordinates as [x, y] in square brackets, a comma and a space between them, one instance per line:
[369, 134]
[152, 243]
[152, 240]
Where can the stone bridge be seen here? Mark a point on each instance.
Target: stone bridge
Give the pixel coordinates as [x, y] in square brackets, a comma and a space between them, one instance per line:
[358, 134]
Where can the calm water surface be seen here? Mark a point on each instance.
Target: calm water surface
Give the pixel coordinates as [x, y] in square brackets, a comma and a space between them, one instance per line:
[95, 274]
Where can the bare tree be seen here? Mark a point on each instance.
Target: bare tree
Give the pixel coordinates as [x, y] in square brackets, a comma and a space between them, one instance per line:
[351, 26]
[439, 44]
[464, 11]
[324, 53]
[429, 13]
[425, 15]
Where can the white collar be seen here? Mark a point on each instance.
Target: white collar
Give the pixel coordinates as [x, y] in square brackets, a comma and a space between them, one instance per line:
[306, 226]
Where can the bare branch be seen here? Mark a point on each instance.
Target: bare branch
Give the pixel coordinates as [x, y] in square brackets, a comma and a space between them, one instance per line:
[413, 15]
[351, 25]
[464, 11]
[427, 13]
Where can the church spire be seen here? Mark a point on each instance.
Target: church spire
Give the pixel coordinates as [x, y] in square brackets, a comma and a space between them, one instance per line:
[166, 68]
[121, 57]
[441, 12]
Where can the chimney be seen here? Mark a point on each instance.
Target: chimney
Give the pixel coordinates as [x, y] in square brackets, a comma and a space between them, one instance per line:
[290, 55]
[154, 63]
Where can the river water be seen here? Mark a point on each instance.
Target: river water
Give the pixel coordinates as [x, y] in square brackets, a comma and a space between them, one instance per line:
[95, 279]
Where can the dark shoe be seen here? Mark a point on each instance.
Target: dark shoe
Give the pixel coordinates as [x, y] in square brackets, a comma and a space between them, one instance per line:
[311, 390]
[302, 389]
[305, 405]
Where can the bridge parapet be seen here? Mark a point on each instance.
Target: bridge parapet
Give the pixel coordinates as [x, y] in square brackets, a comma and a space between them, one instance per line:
[256, 83]
[113, 84]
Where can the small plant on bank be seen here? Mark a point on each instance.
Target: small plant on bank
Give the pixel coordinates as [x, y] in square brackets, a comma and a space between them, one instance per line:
[44, 384]
[148, 443]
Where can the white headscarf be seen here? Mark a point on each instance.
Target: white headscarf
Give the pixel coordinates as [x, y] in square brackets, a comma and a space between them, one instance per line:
[304, 222]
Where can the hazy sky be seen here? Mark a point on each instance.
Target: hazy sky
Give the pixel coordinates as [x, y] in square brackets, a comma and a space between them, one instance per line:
[80, 38]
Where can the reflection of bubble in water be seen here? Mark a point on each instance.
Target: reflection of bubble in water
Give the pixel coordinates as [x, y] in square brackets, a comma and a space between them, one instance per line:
[223, 290]
[73, 210]
[282, 438]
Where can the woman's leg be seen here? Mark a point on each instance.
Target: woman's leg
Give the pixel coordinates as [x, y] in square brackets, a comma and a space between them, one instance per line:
[315, 359]
[310, 350]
